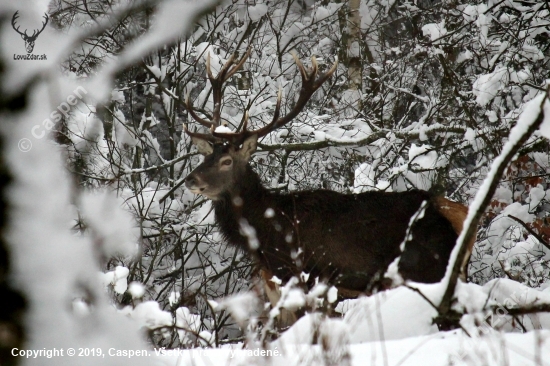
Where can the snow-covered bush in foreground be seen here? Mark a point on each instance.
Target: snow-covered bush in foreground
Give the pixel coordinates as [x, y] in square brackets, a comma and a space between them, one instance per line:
[52, 266]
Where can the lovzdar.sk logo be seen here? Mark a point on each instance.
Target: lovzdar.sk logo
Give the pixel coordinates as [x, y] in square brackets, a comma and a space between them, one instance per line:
[29, 39]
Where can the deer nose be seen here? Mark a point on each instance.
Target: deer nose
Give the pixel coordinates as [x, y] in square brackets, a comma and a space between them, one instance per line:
[190, 181]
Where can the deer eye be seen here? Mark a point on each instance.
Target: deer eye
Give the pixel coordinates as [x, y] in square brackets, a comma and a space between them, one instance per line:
[227, 162]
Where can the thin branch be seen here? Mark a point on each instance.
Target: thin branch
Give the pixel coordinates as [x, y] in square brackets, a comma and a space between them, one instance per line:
[334, 142]
[531, 231]
[161, 166]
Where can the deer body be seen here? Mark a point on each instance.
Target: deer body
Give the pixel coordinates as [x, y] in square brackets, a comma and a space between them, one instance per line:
[346, 239]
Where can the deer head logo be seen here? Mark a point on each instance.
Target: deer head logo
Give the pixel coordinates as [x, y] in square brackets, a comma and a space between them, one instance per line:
[29, 40]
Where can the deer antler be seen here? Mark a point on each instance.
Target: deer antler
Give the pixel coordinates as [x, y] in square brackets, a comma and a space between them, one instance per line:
[217, 89]
[309, 85]
[13, 20]
[204, 136]
[35, 33]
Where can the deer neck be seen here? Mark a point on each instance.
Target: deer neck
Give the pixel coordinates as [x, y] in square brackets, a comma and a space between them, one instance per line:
[247, 193]
[246, 200]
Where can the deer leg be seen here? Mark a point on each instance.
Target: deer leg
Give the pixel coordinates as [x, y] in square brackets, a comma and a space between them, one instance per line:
[273, 293]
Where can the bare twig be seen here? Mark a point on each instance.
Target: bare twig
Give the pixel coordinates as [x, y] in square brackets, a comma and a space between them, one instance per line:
[531, 231]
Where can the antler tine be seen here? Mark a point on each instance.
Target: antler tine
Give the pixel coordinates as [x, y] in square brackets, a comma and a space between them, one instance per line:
[204, 136]
[245, 121]
[278, 105]
[226, 71]
[303, 72]
[195, 116]
[217, 85]
[238, 65]
[209, 70]
[326, 75]
[14, 18]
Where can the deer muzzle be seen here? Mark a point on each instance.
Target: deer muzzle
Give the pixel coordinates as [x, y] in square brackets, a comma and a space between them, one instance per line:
[194, 184]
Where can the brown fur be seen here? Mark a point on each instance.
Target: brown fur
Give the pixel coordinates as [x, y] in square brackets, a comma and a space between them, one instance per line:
[456, 214]
[272, 291]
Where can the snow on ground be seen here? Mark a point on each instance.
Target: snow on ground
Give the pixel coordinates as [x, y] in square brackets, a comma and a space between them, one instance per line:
[394, 328]
[450, 348]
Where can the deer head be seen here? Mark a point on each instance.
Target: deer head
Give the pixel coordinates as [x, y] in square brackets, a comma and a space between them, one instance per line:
[29, 40]
[222, 166]
[228, 153]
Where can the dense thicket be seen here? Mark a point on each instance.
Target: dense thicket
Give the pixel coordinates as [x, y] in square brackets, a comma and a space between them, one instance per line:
[425, 95]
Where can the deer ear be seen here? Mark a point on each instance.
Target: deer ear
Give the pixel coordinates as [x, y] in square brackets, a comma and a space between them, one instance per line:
[202, 145]
[249, 147]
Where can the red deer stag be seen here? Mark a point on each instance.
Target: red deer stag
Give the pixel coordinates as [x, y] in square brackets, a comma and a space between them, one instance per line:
[348, 240]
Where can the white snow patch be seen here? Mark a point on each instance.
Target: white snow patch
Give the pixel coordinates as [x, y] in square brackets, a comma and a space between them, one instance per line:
[173, 298]
[394, 314]
[224, 129]
[464, 56]
[470, 134]
[545, 126]
[492, 116]
[136, 289]
[240, 306]
[503, 195]
[364, 178]
[487, 86]
[187, 323]
[148, 314]
[123, 134]
[294, 299]
[434, 30]
[117, 278]
[118, 96]
[422, 156]
[536, 195]
[113, 229]
[256, 12]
